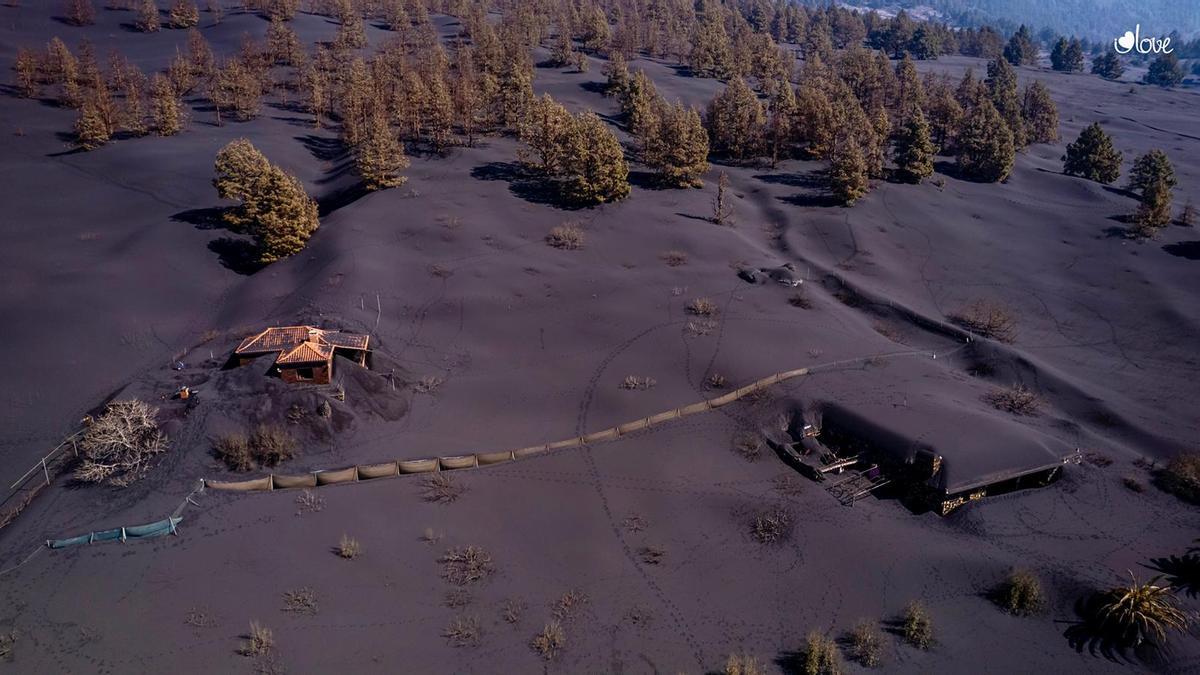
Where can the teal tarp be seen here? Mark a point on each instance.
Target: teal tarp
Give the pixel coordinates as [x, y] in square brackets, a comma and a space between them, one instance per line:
[157, 529]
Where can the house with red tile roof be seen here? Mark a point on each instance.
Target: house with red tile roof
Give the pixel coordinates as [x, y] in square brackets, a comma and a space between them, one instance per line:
[304, 353]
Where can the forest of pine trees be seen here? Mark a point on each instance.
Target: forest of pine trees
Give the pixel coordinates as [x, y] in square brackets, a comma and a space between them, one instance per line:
[821, 83]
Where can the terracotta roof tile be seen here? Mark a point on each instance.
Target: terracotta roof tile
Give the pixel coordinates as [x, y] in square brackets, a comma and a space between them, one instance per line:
[305, 352]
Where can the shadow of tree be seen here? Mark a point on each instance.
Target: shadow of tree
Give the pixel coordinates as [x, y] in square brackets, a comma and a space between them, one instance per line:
[525, 184]
[1182, 571]
[236, 254]
[204, 219]
[1089, 632]
[324, 149]
[1184, 249]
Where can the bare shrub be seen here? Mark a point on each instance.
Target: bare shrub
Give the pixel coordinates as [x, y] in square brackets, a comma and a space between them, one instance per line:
[987, 318]
[568, 236]
[917, 626]
[550, 641]
[652, 555]
[771, 526]
[198, 618]
[748, 445]
[463, 631]
[442, 488]
[271, 445]
[428, 384]
[457, 598]
[866, 643]
[640, 616]
[702, 307]
[1017, 399]
[635, 382]
[1139, 613]
[800, 299]
[464, 565]
[1181, 477]
[743, 664]
[8, 642]
[716, 381]
[673, 258]
[1133, 484]
[568, 605]
[300, 601]
[349, 548]
[634, 523]
[309, 501]
[259, 641]
[1021, 594]
[1097, 459]
[821, 656]
[119, 445]
[234, 451]
[429, 536]
[512, 610]
[702, 327]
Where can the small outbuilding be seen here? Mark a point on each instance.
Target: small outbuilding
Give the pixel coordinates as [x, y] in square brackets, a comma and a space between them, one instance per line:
[305, 353]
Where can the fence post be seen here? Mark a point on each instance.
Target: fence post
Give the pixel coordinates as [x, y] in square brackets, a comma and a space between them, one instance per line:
[47, 472]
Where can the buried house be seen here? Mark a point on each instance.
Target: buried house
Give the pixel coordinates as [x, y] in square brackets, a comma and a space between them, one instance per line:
[305, 353]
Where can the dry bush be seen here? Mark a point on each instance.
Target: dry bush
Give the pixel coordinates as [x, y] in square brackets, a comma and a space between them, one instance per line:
[568, 606]
[1097, 459]
[1133, 484]
[463, 631]
[1017, 399]
[1022, 594]
[512, 610]
[866, 643]
[821, 656]
[550, 641]
[119, 445]
[442, 488]
[568, 236]
[429, 536]
[428, 384]
[1181, 477]
[702, 307]
[199, 619]
[702, 327]
[463, 565]
[743, 664]
[309, 501]
[716, 381]
[673, 258]
[771, 526]
[640, 616]
[800, 299]
[234, 451]
[989, 319]
[634, 523]
[271, 445]
[349, 547]
[7, 643]
[635, 382]
[1131, 615]
[652, 555]
[748, 445]
[917, 626]
[300, 601]
[259, 642]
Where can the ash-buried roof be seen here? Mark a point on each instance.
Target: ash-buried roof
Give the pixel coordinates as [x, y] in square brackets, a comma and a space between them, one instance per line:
[301, 344]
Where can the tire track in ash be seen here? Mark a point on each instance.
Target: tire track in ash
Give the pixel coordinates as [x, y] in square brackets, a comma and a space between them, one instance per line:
[596, 481]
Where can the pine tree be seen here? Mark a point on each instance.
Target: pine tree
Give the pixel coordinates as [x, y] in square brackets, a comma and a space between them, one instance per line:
[26, 65]
[81, 13]
[439, 113]
[133, 109]
[1040, 114]
[1108, 66]
[200, 56]
[1165, 71]
[315, 82]
[273, 206]
[1187, 217]
[1058, 55]
[913, 151]
[639, 100]
[350, 33]
[1151, 168]
[91, 131]
[848, 172]
[710, 55]
[183, 14]
[735, 121]
[165, 107]
[985, 145]
[1002, 86]
[380, 158]
[617, 73]
[678, 148]
[595, 164]
[1093, 156]
[910, 94]
[147, 17]
[546, 130]
[815, 123]
[282, 43]
[1154, 210]
[515, 91]
[1074, 57]
[1020, 50]
[944, 113]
